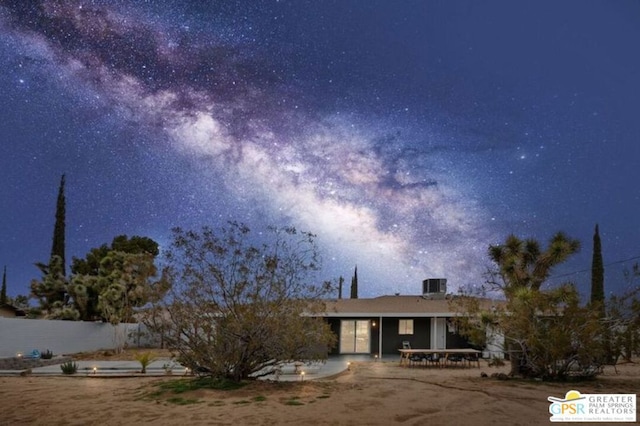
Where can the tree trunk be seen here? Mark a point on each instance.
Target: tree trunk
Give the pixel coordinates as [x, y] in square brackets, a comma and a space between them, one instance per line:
[516, 357]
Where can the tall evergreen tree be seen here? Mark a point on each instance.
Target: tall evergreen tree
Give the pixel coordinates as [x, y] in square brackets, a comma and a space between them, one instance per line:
[3, 292]
[597, 271]
[340, 282]
[57, 247]
[598, 297]
[354, 284]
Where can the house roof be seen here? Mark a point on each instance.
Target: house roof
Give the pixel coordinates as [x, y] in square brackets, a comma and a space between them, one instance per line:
[396, 306]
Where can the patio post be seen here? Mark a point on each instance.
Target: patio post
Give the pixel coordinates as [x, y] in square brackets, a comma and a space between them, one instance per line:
[380, 338]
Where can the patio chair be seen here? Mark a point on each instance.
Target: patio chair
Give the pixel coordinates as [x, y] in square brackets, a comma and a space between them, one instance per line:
[454, 359]
[471, 358]
[413, 358]
[433, 359]
[418, 359]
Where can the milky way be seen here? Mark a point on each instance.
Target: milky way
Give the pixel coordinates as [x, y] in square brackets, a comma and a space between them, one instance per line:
[227, 112]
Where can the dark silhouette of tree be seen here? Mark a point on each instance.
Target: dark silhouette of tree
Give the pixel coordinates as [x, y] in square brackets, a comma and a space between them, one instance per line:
[546, 332]
[522, 263]
[51, 291]
[237, 309]
[623, 319]
[340, 282]
[354, 284]
[597, 301]
[3, 292]
[523, 267]
[90, 265]
[597, 273]
[108, 284]
[112, 280]
[58, 244]
[21, 302]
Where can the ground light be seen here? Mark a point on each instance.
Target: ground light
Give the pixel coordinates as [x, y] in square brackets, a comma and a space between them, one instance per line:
[348, 366]
[95, 370]
[302, 376]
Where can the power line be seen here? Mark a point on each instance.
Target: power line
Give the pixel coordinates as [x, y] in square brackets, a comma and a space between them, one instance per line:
[587, 270]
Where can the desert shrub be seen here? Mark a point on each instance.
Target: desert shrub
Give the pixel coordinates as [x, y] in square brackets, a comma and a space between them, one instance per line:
[69, 367]
[168, 367]
[46, 354]
[144, 359]
[496, 361]
[236, 309]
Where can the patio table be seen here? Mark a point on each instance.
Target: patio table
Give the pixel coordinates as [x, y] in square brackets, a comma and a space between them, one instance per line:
[406, 354]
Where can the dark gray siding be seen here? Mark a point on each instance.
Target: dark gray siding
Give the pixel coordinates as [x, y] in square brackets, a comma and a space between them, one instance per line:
[392, 341]
[456, 341]
[334, 323]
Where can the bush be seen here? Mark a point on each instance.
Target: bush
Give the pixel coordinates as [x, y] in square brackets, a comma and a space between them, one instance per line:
[46, 354]
[496, 361]
[144, 359]
[69, 367]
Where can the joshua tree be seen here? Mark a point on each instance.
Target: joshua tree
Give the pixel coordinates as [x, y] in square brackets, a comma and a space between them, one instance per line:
[522, 269]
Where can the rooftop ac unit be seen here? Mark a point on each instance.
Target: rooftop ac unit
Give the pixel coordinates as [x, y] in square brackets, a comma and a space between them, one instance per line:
[434, 287]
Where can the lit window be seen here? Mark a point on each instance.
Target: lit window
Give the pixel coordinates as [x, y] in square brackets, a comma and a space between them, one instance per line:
[405, 326]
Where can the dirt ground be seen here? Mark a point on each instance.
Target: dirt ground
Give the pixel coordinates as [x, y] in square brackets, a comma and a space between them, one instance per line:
[371, 393]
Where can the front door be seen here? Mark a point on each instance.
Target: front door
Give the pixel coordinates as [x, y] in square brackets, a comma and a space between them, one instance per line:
[355, 337]
[438, 333]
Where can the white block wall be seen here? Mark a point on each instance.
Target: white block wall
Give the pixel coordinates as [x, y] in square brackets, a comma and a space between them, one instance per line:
[62, 337]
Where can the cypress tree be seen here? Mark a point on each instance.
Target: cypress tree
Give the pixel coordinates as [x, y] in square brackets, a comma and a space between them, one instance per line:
[354, 284]
[597, 271]
[340, 281]
[3, 292]
[57, 247]
[598, 298]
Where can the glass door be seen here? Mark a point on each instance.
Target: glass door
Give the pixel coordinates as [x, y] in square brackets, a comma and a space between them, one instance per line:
[354, 337]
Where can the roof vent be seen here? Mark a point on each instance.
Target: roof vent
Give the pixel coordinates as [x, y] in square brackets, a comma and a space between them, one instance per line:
[434, 288]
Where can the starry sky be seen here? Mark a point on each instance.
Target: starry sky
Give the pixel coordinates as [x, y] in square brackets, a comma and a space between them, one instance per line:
[408, 135]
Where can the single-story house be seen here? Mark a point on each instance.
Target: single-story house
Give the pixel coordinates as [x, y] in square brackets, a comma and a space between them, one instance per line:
[380, 325]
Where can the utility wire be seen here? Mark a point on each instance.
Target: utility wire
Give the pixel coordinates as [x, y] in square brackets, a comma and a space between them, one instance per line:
[587, 270]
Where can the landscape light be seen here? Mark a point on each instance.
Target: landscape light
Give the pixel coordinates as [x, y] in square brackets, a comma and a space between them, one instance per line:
[302, 376]
[95, 370]
[19, 354]
[348, 366]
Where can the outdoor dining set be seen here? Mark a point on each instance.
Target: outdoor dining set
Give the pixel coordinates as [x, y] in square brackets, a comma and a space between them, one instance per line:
[438, 357]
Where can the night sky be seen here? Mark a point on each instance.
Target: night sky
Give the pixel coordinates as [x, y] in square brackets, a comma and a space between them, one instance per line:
[408, 135]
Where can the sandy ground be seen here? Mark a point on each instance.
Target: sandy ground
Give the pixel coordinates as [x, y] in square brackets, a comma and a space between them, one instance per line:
[371, 393]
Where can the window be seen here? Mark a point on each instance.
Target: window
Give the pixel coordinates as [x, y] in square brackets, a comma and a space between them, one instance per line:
[405, 326]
